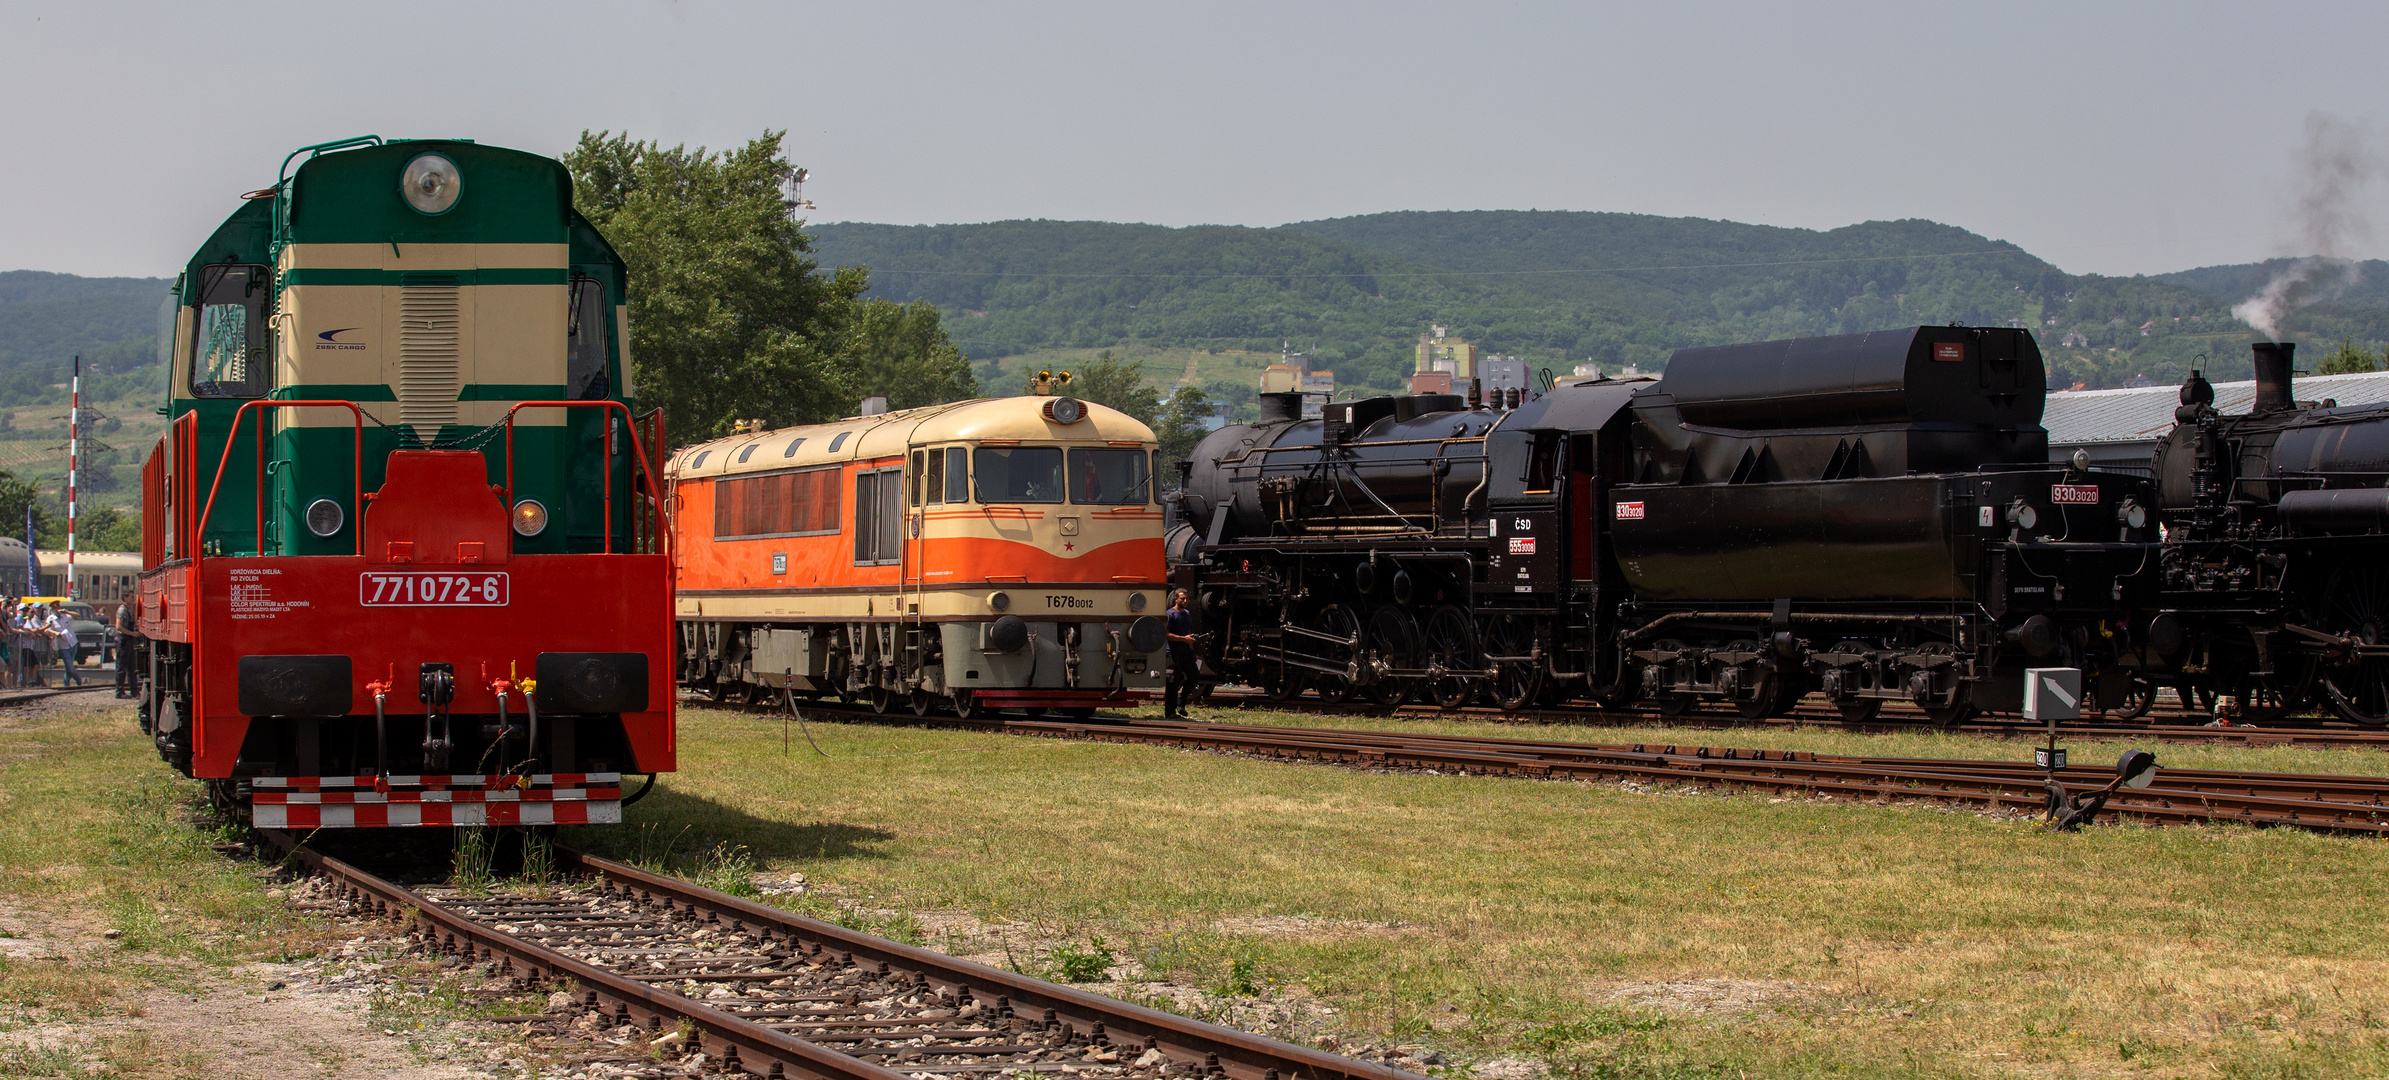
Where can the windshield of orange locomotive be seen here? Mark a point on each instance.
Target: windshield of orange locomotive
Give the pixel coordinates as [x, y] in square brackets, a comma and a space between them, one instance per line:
[1111, 477]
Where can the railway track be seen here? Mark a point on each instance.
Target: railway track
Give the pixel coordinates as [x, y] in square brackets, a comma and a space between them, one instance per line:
[2322, 802]
[768, 993]
[2164, 725]
[2349, 804]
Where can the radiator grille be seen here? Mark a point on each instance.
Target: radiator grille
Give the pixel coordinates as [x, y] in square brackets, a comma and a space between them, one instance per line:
[428, 327]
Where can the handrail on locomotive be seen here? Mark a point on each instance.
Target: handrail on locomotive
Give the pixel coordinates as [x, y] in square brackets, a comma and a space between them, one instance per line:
[356, 462]
[638, 451]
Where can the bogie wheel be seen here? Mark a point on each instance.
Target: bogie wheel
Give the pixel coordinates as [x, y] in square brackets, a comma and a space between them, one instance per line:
[1961, 706]
[1677, 704]
[966, 704]
[2140, 694]
[883, 700]
[924, 702]
[1765, 702]
[1394, 642]
[1517, 683]
[1338, 622]
[2357, 687]
[1859, 710]
[1452, 647]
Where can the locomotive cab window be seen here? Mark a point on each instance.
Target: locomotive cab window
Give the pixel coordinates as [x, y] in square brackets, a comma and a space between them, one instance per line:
[1019, 474]
[933, 482]
[1543, 460]
[1111, 477]
[585, 343]
[228, 350]
[958, 475]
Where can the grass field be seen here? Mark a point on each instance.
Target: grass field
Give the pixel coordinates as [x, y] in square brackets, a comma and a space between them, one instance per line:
[1586, 930]
[1590, 929]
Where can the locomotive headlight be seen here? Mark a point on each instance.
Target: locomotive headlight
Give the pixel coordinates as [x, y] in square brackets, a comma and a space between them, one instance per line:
[1063, 410]
[431, 184]
[1136, 601]
[530, 518]
[999, 601]
[324, 518]
[2020, 515]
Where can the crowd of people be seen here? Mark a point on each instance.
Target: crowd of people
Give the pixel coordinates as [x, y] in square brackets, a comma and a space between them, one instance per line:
[32, 637]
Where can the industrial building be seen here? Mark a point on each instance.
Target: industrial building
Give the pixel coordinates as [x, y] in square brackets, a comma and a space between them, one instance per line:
[2119, 429]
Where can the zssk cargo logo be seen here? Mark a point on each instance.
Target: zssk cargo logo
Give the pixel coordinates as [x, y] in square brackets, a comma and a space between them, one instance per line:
[329, 340]
[2074, 494]
[1629, 511]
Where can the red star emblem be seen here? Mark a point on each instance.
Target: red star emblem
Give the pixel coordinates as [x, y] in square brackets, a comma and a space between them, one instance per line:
[1067, 547]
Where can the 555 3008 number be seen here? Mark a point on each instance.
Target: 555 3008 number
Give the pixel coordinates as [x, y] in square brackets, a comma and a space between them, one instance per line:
[432, 590]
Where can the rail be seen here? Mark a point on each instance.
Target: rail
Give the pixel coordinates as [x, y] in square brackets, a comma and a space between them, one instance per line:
[2324, 803]
[356, 500]
[797, 984]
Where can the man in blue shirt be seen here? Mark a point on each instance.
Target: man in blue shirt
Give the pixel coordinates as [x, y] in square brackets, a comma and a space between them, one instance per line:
[1181, 658]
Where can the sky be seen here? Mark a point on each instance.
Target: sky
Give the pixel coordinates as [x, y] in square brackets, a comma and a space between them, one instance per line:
[2114, 138]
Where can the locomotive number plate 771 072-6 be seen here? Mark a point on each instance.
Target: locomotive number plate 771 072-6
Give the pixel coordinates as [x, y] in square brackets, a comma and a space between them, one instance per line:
[427, 589]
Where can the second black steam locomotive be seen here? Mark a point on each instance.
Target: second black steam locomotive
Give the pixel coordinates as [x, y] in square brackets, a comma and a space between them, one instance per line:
[1869, 517]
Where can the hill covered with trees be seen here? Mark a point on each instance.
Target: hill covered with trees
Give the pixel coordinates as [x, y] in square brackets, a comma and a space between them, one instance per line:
[1557, 288]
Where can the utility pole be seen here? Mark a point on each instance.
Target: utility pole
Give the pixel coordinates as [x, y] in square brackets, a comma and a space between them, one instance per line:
[74, 446]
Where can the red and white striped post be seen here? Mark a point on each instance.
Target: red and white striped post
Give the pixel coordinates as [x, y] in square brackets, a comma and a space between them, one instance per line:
[74, 446]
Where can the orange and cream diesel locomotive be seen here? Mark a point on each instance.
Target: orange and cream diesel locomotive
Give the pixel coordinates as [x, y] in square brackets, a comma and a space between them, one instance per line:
[998, 553]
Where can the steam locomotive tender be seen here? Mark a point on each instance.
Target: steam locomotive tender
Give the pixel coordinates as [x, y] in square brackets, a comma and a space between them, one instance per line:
[402, 559]
[1871, 517]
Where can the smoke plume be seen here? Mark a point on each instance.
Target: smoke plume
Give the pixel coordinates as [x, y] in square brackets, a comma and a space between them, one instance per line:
[2335, 164]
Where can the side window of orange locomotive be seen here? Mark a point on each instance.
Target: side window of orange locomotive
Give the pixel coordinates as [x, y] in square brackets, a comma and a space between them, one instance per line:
[958, 475]
[933, 487]
[915, 481]
[228, 357]
[878, 516]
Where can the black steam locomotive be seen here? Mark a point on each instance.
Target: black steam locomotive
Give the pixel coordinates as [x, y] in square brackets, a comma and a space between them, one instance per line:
[1869, 517]
[2275, 572]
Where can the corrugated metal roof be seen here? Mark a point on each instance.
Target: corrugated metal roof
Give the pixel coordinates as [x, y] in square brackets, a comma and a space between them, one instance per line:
[2145, 414]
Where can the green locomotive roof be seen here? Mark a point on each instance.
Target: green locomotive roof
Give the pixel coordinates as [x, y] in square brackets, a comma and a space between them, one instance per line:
[351, 196]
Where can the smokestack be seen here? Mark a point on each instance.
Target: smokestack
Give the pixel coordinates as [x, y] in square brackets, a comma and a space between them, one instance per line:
[2273, 362]
[1278, 407]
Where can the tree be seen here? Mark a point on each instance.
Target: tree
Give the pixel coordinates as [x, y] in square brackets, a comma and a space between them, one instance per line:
[901, 351]
[2347, 358]
[1119, 384]
[730, 316]
[1181, 426]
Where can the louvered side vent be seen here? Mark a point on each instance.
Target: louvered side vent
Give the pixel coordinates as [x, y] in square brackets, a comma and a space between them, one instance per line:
[428, 326]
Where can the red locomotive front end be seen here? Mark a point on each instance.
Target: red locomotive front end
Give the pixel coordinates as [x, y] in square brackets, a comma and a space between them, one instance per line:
[403, 559]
